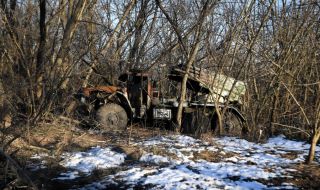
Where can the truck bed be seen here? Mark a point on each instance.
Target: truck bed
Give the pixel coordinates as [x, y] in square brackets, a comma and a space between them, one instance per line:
[217, 87]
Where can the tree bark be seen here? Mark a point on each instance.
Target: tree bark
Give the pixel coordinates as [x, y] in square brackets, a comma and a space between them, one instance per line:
[191, 59]
[134, 52]
[314, 141]
[70, 28]
[85, 82]
[184, 85]
[191, 56]
[315, 134]
[273, 111]
[41, 49]
[108, 44]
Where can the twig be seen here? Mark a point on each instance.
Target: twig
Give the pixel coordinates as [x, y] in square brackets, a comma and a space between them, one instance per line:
[69, 119]
[291, 127]
[308, 84]
[296, 101]
[38, 148]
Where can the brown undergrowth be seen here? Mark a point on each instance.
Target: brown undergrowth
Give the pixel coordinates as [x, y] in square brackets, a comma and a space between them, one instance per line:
[53, 138]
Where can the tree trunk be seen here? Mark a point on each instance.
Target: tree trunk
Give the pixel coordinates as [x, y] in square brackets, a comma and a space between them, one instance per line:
[184, 86]
[85, 82]
[191, 59]
[273, 111]
[139, 23]
[314, 141]
[70, 28]
[111, 39]
[41, 49]
[191, 56]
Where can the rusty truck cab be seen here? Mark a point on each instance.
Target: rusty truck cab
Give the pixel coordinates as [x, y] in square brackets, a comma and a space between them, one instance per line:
[139, 91]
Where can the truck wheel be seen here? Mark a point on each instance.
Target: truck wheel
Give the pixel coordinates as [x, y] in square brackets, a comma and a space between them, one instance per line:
[231, 125]
[112, 116]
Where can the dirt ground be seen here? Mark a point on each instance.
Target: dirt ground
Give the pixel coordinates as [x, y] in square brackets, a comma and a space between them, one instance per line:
[55, 138]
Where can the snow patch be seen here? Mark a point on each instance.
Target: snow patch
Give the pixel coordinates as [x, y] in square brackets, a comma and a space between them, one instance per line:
[134, 175]
[95, 158]
[68, 175]
[39, 156]
[246, 168]
[154, 158]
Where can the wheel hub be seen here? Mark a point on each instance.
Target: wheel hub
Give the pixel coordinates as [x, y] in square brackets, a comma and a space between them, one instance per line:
[113, 119]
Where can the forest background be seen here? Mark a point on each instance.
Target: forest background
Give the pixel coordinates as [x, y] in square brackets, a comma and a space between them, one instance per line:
[49, 49]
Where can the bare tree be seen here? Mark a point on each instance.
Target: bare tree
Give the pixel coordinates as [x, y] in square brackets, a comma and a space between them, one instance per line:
[189, 52]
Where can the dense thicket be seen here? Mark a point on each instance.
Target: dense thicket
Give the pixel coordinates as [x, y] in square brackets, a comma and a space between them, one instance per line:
[49, 49]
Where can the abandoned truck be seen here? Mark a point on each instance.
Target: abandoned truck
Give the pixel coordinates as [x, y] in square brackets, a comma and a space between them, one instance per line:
[140, 98]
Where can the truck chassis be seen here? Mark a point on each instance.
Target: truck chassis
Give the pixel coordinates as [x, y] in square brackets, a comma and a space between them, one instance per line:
[138, 98]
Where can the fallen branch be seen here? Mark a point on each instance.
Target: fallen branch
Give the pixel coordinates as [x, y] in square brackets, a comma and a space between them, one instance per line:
[38, 148]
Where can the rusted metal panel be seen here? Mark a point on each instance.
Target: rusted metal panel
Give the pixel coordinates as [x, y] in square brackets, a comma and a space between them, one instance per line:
[107, 89]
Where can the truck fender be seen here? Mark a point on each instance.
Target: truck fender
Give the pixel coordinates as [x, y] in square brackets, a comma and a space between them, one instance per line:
[236, 112]
[125, 103]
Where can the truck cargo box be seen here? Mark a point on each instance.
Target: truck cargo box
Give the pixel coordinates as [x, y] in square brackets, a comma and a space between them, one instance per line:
[217, 87]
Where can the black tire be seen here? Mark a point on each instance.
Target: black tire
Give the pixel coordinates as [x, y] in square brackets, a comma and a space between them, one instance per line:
[112, 116]
[196, 122]
[231, 125]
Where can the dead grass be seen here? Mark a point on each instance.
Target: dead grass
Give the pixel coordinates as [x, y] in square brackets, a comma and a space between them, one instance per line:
[162, 151]
[307, 176]
[56, 137]
[59, 135]
[303, 177]
[212, 156]
[290, 155]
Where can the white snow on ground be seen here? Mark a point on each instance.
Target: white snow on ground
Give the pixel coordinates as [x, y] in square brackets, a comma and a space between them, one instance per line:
[68, 176]
[154, 158]
[95, 158]
[241, 165]
[34, 166]
[133, 175]
[39, 156]
[37, 162]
